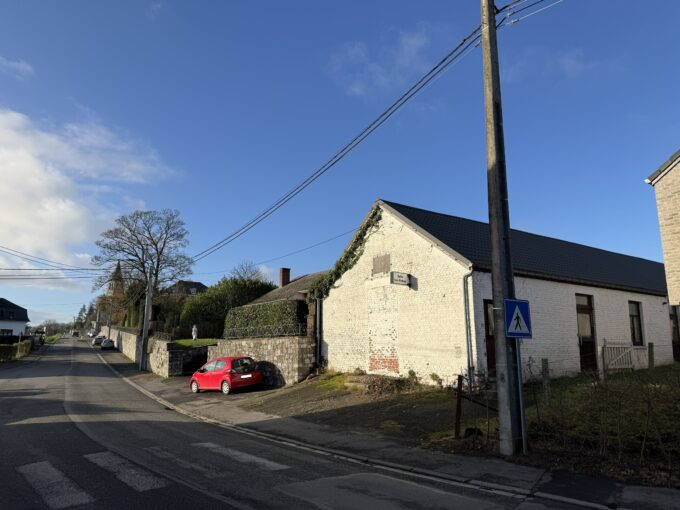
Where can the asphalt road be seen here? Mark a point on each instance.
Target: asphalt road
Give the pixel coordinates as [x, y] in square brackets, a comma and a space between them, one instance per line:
[73, 435]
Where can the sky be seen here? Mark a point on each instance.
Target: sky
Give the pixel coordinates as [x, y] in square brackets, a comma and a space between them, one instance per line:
[218, 108]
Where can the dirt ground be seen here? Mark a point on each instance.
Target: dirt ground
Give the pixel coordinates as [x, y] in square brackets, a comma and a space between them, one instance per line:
[422, 415]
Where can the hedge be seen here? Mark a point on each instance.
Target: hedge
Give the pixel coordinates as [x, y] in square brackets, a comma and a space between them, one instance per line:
[15, 351]
[283, 315]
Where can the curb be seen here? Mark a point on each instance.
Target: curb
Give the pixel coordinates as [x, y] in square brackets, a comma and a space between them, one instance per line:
[437, 476]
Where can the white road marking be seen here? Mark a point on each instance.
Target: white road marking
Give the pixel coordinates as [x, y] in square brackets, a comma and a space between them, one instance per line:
[131, 475]
[166, 455]
[56, 489]
[239, 456]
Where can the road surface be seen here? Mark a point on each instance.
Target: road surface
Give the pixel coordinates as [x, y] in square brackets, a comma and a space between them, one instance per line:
[76, 436]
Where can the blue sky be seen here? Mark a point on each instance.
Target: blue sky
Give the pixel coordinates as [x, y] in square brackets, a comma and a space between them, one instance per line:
[217, 108]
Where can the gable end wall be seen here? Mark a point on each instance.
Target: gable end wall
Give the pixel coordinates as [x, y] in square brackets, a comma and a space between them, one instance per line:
[389, 329]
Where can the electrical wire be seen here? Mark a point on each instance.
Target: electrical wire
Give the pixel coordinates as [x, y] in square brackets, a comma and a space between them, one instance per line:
[458, 52]
[447, 60]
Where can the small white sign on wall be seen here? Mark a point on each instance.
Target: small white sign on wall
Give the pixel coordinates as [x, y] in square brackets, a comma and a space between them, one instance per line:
[400, 278]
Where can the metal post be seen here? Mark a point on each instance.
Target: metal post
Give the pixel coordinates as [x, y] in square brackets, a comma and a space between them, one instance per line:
[510, 413]
[147, 316]
[650, 355]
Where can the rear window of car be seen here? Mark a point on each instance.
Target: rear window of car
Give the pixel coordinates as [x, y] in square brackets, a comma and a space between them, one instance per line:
[243, 364]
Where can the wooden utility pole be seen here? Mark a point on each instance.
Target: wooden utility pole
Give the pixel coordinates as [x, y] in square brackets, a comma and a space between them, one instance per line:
[147, 317]
[510, 413]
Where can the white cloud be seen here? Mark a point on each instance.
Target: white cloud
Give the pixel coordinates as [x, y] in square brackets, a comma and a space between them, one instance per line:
[360, 71]
[20, 69]
[51, 194]
[154, 10]
[544, 62]
[271, 274]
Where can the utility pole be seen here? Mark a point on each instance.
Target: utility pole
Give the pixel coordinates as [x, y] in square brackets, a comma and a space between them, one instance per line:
[510, 413]
[147, 317]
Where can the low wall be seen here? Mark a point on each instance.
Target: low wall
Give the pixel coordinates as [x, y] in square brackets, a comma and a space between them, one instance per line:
[15, 351]
[165, 359]
[127, 342]
[283, 360]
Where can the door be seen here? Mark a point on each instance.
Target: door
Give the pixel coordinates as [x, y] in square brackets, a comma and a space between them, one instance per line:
[675, 332]
[586, 332]
[490, 336]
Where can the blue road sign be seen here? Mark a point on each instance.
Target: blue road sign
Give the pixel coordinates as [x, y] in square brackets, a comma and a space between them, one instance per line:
[517, 318]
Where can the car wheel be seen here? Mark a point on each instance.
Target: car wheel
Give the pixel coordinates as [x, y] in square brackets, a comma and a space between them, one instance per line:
[194, 387]
[225, 387]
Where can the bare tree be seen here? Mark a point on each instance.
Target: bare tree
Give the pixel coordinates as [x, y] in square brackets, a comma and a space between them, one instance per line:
[247, 270]
[146, 241]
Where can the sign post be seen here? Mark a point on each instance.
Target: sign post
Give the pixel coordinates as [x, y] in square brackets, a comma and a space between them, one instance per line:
[518, 326]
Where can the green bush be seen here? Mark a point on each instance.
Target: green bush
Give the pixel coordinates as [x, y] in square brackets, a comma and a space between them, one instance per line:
[284, 316]
[208, 310]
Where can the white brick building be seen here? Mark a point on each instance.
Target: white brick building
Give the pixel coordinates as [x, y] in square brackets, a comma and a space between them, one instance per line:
[580, 297]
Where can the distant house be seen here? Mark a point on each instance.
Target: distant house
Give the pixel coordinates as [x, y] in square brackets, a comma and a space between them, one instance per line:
[13, 318]
[666, 182]
[418, 297]
[295, 289]
[186, 288]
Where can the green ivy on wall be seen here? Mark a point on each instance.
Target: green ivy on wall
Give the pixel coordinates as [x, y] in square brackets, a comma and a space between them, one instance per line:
[283, 314]
[320, 288]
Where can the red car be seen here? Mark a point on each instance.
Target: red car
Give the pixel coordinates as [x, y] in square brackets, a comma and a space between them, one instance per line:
[226, 374]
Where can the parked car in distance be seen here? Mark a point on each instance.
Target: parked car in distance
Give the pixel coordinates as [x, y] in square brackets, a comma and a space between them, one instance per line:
[98, 340]
[107, 343]
[226, 374]
[76, 334]
[91, 333]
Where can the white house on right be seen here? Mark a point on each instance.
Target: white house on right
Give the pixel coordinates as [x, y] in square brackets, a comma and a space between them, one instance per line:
[412, 291]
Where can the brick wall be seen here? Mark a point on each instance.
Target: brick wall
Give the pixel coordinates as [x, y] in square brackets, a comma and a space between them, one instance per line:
[389, 329]
[553, 317]
[284, 360]
[668, 207]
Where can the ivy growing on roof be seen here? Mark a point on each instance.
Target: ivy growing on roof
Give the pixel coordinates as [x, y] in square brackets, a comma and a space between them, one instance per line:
[321, 287]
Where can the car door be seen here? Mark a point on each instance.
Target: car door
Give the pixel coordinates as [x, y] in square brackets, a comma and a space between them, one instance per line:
[205, 374]
[218, 373]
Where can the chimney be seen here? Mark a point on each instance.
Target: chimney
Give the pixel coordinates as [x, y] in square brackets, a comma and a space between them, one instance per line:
[284, 276]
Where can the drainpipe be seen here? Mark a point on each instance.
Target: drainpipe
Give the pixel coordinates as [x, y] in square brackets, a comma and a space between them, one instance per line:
[468, 328]
[319, 335]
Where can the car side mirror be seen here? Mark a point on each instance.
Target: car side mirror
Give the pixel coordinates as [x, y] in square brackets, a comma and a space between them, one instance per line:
[201, 370]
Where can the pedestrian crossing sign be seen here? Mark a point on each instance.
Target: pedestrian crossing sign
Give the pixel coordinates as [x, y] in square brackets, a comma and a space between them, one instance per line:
[517, 318]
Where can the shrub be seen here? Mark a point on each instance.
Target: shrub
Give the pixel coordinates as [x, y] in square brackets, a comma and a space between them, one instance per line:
[281, 317]
[208, 310]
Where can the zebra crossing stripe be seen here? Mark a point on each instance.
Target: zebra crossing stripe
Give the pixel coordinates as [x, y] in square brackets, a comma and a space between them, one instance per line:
[53, 486]
[128, 473]
[240, 456]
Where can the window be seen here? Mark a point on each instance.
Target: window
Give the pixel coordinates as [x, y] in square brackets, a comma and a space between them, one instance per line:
[381, 264]
[6, 332]
[209, 367]
[635, 322]
[219, 365]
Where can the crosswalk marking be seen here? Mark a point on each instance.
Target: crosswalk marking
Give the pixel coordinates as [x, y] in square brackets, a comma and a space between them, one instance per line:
[166, 455]
[239, 456]
[131, 475]
[53, 486]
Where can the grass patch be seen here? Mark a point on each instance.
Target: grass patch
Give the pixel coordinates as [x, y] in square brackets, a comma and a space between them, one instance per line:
[52, 338]
[188, 343]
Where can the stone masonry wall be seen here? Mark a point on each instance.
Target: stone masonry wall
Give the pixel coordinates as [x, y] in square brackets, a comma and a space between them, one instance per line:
[668, 208]
[128, 343]
[553, 318]
[165, 359]
[284, 360]
[390, 329]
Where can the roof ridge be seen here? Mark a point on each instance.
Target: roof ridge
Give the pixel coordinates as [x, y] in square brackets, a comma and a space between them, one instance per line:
[390, 203]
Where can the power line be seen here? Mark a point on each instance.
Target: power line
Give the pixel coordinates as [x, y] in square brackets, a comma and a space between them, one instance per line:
[443, 64]
[39, 260]
[225, 271]
[447, 60]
